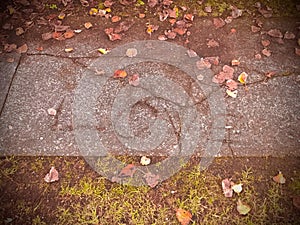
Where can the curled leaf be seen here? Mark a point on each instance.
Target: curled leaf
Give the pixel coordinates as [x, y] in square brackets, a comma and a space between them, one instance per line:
[226, 186]
[235, 62]
[93, 12]
[134, 80]
[22, 49]
[275, 33]
[231, 84]
[183, 216]
[68, 50]
[145, 160]
[279, 178]
[242, 208]
[103, 51]
[88, 25]
[52, 176]
[243, 77]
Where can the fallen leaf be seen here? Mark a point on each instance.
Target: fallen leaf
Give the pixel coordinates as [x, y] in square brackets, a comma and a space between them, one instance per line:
[218, 22]
[151, 179]
[52, 111]
[257, 56]
[275, 33]
[279, 178]
[103, 51]
[235, 13]
[255, 29]
[61, 16]
[289, 35]
[189, 17]
[214, 60]
[225, 74]
[46, 36]
[128, 171]
[68, 50]
[52, 176]
[22, 49]
[145, 160]
[69, 34]
[170, 34]
[10, 47]
[142, 15]
[179, 30]
[162, 37]
[243, 77]
[270, 74]
[231, 84]
[19, 31]
[57, 35]
[183, 216]
[226, 187]
[131, 52]
[151, 28]
[108, 3]
[237, 188]
[243, 209]
[120, 74]
[115, 19]
[88, 25]
[297, 51]
[200, 77]
[208, 9]
[203, 64]
[172, 21]
[265, 43]
[267, 13]
[93, 12]
[266, 52]
[124, 26]
[228, 19]
[191, 53]
[77, 31]
[235, 62]
[212, 43]
[232, 94]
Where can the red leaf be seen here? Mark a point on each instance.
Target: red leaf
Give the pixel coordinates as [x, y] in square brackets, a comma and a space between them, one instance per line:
[128, 171]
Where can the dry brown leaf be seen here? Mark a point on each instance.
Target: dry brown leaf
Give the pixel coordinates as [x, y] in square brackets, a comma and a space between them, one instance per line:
[10, 60]
[218, 22]
[183, 216]
[19, 31]
[61, 28]
[170, 34]
[22, 49]
[214, 60]
[152, 3]
[88, 25]
[266, 52]
[189, 17]
[265, 43]
[297, 51]
[275, 33]
[289, 35]
[203, 64]
[226, 187]
[115, 19]
[10, 47]
[255, 29]
[128, 171]
[179, 30]
[162, 37]
[296, 201]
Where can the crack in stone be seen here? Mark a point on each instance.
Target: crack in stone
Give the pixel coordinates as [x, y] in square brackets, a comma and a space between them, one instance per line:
[10, 84]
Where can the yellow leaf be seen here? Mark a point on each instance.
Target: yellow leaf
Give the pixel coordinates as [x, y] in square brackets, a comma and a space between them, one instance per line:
[243, 209]
[93, 12]
[232, 94]
[243, 77]
[103, 51]
[11, 10]
[279, 178]
[183, 216]
[108, 10]
[61, 16]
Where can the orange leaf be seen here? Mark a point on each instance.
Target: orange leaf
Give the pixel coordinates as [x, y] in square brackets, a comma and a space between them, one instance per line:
[183, 216]
[115, 19]
[69, 34]
[120, 74]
